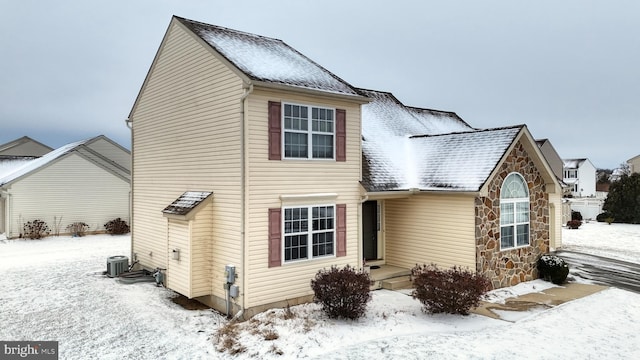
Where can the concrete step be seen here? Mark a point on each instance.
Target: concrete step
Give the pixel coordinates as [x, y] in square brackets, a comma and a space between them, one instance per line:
[400, 282]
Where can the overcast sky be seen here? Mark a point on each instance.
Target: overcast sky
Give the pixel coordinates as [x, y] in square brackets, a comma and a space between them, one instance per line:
[569, 70]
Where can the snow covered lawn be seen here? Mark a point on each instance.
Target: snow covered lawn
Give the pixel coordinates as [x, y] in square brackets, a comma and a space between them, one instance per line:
[616, 241]
[51, 290]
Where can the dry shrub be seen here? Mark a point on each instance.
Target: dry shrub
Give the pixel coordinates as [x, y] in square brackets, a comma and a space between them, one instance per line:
[452, 291]
[343, 293]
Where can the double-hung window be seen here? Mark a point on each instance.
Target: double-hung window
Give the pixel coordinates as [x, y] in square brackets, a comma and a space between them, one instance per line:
[309, 232]
[309, 132]
[514, 212]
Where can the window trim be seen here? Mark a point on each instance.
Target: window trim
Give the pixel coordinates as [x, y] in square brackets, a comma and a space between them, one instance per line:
[515, 223]
[309, 132]
[309, 233]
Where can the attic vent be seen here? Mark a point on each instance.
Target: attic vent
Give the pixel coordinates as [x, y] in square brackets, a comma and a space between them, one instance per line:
[117, 265]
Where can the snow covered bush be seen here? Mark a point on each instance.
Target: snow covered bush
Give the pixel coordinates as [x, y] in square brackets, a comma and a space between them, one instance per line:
[35, 229]
[453, 291]
[117, 227]
[78, 229]
[553, 268]
[343, 293]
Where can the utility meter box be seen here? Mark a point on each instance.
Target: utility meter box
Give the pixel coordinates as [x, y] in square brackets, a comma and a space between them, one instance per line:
[230, 274]
[234, 291]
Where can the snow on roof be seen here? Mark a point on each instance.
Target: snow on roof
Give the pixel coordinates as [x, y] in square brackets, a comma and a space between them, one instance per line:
[10, 163]
[407, 147]
[39, 162]
[573, 163]
[267, 59]
[187, 202]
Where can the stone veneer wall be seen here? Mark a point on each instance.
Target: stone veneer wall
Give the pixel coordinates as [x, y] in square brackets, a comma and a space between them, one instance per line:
[510, 267]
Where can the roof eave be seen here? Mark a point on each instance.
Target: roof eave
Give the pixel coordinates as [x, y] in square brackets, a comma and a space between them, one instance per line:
[317, 92]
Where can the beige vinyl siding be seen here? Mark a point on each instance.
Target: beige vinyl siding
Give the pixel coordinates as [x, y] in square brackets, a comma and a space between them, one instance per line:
[178, 275]
[430, 228]
[201, 240]
[74, 190]
[111, 151]
[186, 132]
[269, 179]
[555, 231]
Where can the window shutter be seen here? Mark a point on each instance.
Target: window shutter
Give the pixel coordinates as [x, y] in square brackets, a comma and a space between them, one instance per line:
[341, 230]
[341, 135]
[275, 237]
[275, 131]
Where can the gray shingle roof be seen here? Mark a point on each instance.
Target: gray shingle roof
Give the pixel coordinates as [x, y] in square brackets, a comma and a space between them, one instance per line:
[406, 147]
[267, 59]
[186, 202]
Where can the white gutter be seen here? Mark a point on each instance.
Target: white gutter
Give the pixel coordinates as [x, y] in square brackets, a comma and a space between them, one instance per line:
[243, 205]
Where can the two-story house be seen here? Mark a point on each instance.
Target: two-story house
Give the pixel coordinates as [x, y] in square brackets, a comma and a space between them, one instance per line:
[580, 175]
[254, 167]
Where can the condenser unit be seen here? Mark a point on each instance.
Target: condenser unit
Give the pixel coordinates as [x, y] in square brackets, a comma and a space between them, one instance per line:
[117, 265]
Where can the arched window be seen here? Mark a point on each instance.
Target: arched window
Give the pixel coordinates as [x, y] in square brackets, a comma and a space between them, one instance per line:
[514, 212]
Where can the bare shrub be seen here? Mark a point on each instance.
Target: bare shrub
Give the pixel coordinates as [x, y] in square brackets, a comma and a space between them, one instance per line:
[452, 291]
[343, 293]
[36, 229]
[117, 227]
[78, 229]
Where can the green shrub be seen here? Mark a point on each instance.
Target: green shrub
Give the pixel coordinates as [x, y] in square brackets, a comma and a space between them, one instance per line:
[117, 227]
[36, 229]
[343, 293]
[78, 229]
[553, 268]
[576, 215]
[453, 291]
[605, 217]
[574, 224]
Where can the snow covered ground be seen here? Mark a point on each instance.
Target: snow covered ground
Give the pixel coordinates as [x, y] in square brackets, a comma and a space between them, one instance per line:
[52, 290]
[616, 241]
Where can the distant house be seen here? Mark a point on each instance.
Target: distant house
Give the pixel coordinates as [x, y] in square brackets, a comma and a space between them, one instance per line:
[24, 147]
[254, 167]
[580, 175]
[86, 181]
[557, 165]
[634, 164]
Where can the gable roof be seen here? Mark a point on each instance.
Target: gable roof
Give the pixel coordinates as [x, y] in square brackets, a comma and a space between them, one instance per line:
[185, 204]
[407, 147]
[7, 147]
[268, 60]
[77, 147]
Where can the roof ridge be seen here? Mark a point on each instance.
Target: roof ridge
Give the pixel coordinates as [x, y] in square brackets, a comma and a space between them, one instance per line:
[182, 19]
[521, 126]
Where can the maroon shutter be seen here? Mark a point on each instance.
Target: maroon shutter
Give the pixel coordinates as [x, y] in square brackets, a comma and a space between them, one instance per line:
[341, 230]
[275, 131]
[341, 135]
[275, 237]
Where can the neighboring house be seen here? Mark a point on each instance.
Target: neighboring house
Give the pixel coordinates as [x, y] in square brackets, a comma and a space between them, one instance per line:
[634, 164]
[580, 175]
[24, 146]
[86, 181]
[254, 167]
[557, 165]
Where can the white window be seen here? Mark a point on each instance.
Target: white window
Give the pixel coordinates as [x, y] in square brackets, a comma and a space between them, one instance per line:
[514, 212]
[308, 132]
[309, 232]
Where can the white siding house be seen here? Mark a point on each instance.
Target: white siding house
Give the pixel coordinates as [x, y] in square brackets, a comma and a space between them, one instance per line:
[74, 183]
[580, 175]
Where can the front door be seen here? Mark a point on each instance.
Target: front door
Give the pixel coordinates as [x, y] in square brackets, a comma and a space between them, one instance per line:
[370, 230]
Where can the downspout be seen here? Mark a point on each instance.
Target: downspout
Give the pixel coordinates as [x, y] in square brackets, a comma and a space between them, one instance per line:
[7, 213]
[133, 256]
[243, 196]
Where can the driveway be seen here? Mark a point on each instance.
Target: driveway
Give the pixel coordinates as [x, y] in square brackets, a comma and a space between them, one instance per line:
[601, 270]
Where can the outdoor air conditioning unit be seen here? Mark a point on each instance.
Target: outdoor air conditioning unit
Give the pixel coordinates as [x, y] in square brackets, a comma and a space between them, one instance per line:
[117, 265]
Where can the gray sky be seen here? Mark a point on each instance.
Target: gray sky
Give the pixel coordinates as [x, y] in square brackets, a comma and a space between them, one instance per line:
[570, 70]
